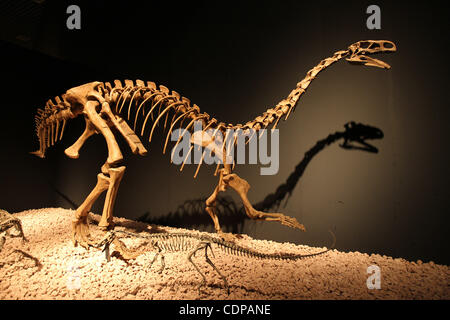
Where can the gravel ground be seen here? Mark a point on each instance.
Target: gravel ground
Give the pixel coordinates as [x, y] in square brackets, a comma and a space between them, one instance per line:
[69, 272]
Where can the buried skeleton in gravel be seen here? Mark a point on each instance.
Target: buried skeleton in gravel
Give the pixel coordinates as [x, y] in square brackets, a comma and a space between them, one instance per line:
[8, 223]
[192, 243]
[106, 107]
[333, 275]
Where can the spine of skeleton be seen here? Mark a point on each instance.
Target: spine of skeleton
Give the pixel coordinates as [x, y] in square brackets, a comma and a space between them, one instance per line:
[50, 124]
[287, 105]
[173, 242]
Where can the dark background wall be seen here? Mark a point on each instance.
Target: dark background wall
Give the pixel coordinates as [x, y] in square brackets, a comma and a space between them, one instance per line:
[235, 60]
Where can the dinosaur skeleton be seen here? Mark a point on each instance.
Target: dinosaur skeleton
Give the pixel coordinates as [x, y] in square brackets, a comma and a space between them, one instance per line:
[192, 243]
[105, 106]
[10, 223]
[7, 223]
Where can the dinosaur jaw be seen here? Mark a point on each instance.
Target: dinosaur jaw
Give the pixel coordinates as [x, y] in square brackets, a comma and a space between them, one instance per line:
[360, 51]
[368, 61]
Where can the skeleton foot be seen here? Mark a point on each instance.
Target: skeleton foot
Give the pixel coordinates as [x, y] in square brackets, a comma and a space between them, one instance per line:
[242, 186]
[29, 256]
[284, 220]
[10, 226]
[281, 218]
[80, 233]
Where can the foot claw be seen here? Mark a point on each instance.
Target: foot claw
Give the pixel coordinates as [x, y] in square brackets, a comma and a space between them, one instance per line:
[80, 233]
[292, 222]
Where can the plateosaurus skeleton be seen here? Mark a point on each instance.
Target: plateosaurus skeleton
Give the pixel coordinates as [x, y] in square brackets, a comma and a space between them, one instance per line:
[105, 105]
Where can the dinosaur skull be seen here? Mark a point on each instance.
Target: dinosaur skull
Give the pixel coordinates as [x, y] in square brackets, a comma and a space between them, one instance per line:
[360, 50]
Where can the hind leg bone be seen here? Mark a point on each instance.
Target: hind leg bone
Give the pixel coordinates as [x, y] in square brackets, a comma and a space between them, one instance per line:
[115, 177]
[80, 228]
[241, 186]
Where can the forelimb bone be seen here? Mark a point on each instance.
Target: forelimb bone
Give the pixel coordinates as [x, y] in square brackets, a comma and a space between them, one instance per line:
[74, 150]
[114, 153]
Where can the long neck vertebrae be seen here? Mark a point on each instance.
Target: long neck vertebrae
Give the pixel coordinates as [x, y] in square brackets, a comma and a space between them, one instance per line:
[287, 105]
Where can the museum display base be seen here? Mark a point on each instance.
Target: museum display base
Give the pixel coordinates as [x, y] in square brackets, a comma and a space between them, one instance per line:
[69, 272]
